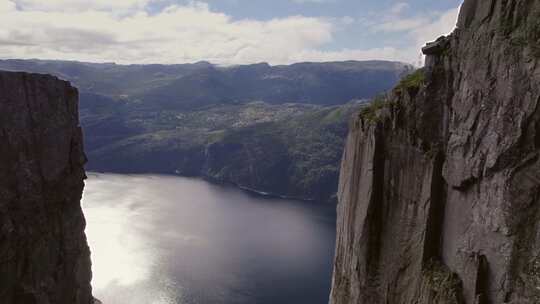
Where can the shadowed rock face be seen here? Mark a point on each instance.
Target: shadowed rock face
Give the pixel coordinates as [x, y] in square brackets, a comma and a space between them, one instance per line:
[440, 188]
[44, 257]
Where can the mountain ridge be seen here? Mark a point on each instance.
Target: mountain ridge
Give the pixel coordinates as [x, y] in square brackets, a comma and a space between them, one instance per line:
[201, 84]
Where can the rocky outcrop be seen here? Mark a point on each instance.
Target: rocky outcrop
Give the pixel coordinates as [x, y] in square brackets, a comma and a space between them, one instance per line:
[44, 257]
[440, 183]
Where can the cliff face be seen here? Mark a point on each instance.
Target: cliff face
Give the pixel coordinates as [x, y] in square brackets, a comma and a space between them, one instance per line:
[440, 186]
[44, 257]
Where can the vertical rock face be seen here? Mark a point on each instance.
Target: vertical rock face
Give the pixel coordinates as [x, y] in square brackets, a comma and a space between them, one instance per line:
[440, 188]
[44, 257]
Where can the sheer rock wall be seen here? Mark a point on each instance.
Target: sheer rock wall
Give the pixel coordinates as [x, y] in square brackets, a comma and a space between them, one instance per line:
[440, 188]
[44, 256]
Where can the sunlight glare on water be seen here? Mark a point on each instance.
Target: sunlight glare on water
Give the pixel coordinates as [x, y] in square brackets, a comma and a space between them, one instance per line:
[171, 240]
[122, 258]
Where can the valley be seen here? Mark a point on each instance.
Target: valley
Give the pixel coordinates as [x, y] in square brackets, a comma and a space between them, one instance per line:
[273, 129]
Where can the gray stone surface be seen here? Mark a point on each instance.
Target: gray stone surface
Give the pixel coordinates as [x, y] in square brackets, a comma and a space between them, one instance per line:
[440, 191]
[44, 256]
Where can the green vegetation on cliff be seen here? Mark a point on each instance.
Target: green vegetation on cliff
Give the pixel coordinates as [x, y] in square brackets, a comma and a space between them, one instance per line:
[413, 80]
[370, 111]
[290, 149]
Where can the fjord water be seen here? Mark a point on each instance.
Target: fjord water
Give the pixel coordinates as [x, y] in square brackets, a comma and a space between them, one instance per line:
[167, 240]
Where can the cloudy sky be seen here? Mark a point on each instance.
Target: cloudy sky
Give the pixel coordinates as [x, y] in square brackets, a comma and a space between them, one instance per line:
[222, 31]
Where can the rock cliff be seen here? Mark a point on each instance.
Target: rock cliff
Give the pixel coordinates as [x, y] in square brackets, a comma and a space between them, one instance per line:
[44, 257]
[440, 182]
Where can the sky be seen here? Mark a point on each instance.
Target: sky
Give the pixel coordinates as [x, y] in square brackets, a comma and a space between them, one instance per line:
[225, 32]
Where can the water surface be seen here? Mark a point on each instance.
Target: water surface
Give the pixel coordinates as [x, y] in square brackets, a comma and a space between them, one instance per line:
[169, 240]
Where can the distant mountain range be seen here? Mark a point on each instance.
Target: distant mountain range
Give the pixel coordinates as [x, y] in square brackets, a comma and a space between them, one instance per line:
[275, 129]
[189, 86]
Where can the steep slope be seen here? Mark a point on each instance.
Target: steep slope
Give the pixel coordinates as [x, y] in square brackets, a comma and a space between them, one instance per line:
[295, 157]
[44, 257]
[288, 150]
[440, 183]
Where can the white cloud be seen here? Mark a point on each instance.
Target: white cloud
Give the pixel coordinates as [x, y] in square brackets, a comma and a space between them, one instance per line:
[80, 5]
[398, 8]
[94, 31]
[419, 29]
[312, 1]
[6, 6]
[347, 20]
[444, 24]
[398, 25]
[176, 34]
[441, 22]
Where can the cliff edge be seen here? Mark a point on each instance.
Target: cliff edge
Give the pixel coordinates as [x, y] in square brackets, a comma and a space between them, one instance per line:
[439, 198]
[44, 257]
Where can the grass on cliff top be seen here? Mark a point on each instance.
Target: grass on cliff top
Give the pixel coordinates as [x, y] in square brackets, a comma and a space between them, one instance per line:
[369, 112]
[414, 80]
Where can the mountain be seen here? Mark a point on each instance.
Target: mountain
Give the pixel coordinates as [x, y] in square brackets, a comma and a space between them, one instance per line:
[274, 129]
[43, 251]
[313, 83]
[290, 150]
[193, 86]
[439, 197]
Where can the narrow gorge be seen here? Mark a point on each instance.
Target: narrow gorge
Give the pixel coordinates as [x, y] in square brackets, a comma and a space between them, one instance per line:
[44, 256]
[440, 182]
